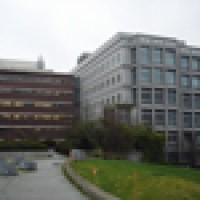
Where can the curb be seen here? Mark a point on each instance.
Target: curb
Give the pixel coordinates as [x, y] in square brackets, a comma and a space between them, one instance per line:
[91, 190]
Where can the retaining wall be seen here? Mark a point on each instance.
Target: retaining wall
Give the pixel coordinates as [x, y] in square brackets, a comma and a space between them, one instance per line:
[91, 190]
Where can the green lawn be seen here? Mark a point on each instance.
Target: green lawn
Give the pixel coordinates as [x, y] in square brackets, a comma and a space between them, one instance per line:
[129, 180]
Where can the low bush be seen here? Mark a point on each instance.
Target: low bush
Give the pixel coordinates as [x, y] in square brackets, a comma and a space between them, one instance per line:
[22, 145]
[63, 147]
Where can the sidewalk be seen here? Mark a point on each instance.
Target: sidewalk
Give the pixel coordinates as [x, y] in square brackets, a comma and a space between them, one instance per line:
[46, 184]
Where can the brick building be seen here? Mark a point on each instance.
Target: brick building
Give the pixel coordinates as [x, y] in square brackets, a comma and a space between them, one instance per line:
[35, 102]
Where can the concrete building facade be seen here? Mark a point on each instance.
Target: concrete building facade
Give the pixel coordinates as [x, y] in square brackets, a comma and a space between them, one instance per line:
[159, 75]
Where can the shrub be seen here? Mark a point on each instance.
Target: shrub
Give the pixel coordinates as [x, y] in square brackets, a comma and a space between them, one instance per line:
[23, 145]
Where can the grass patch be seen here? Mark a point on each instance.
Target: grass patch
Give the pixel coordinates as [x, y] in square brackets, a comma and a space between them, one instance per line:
[129, 180]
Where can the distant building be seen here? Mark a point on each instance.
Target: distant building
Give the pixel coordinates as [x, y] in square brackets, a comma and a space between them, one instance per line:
[160, 76]
[14, 64]
[36, 102]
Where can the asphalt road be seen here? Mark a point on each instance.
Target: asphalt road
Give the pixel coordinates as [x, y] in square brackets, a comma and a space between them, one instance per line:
[46, 184]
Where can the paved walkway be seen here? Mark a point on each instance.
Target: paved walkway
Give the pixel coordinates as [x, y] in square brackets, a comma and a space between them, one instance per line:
[45, 184]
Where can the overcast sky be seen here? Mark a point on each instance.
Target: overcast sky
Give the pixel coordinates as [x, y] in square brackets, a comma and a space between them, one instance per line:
[61, 29]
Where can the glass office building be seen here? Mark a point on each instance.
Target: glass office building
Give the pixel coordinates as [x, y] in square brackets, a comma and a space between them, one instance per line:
[159, 75]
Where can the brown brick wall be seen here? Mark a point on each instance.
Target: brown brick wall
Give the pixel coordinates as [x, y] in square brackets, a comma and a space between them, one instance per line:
[33, 81]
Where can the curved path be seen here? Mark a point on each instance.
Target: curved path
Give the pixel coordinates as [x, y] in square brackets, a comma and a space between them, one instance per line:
[46, 184]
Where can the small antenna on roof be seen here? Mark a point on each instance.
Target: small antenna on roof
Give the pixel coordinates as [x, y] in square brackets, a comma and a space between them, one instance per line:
[40, 62]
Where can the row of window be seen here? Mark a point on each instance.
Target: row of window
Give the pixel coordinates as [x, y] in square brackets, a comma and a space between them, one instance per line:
[30, 79]
[159, 56]
[155, 75]
[159, 96]
[49, 129]
[190, 81]
[156, 56]
[189, 100]
[149, 75]
[109, 82]
[113, 100]
[185, 63]
[103, 66]
[35, 117]
[146, 55]
[32, 129]
[186, 137]
[146, 117]
[31, 104]
[187, 118]
[43, 92]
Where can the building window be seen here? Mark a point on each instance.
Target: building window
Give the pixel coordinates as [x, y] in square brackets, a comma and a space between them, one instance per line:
[144, 55]
[158, 76]
[196, 64]
[187, 138]
[171, 77]
[108, 64]
[107, 101]
[159, 96]
[16, 117]
[113, 99]
[7, 116]
[113, 61]
[113, 80]
[171, 96]
[134, 76]
[134, 96]
[118, 78]
[185, 62]
[7, 103]
[108, 82]
[118, 98]
[159, 117]
[18, 104]
[187, 120]
[172, 136]
[169, 57]
[133, 56]
[145, 75]
[198, 139]
[197, 120]
[195, 82]
[118, 58]
[56, 117]
[102, 85]
[197, 100]
[146, 116]
[185, 81]
[157, 56]
[146, 96]
[172, 117]
[187, 100]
